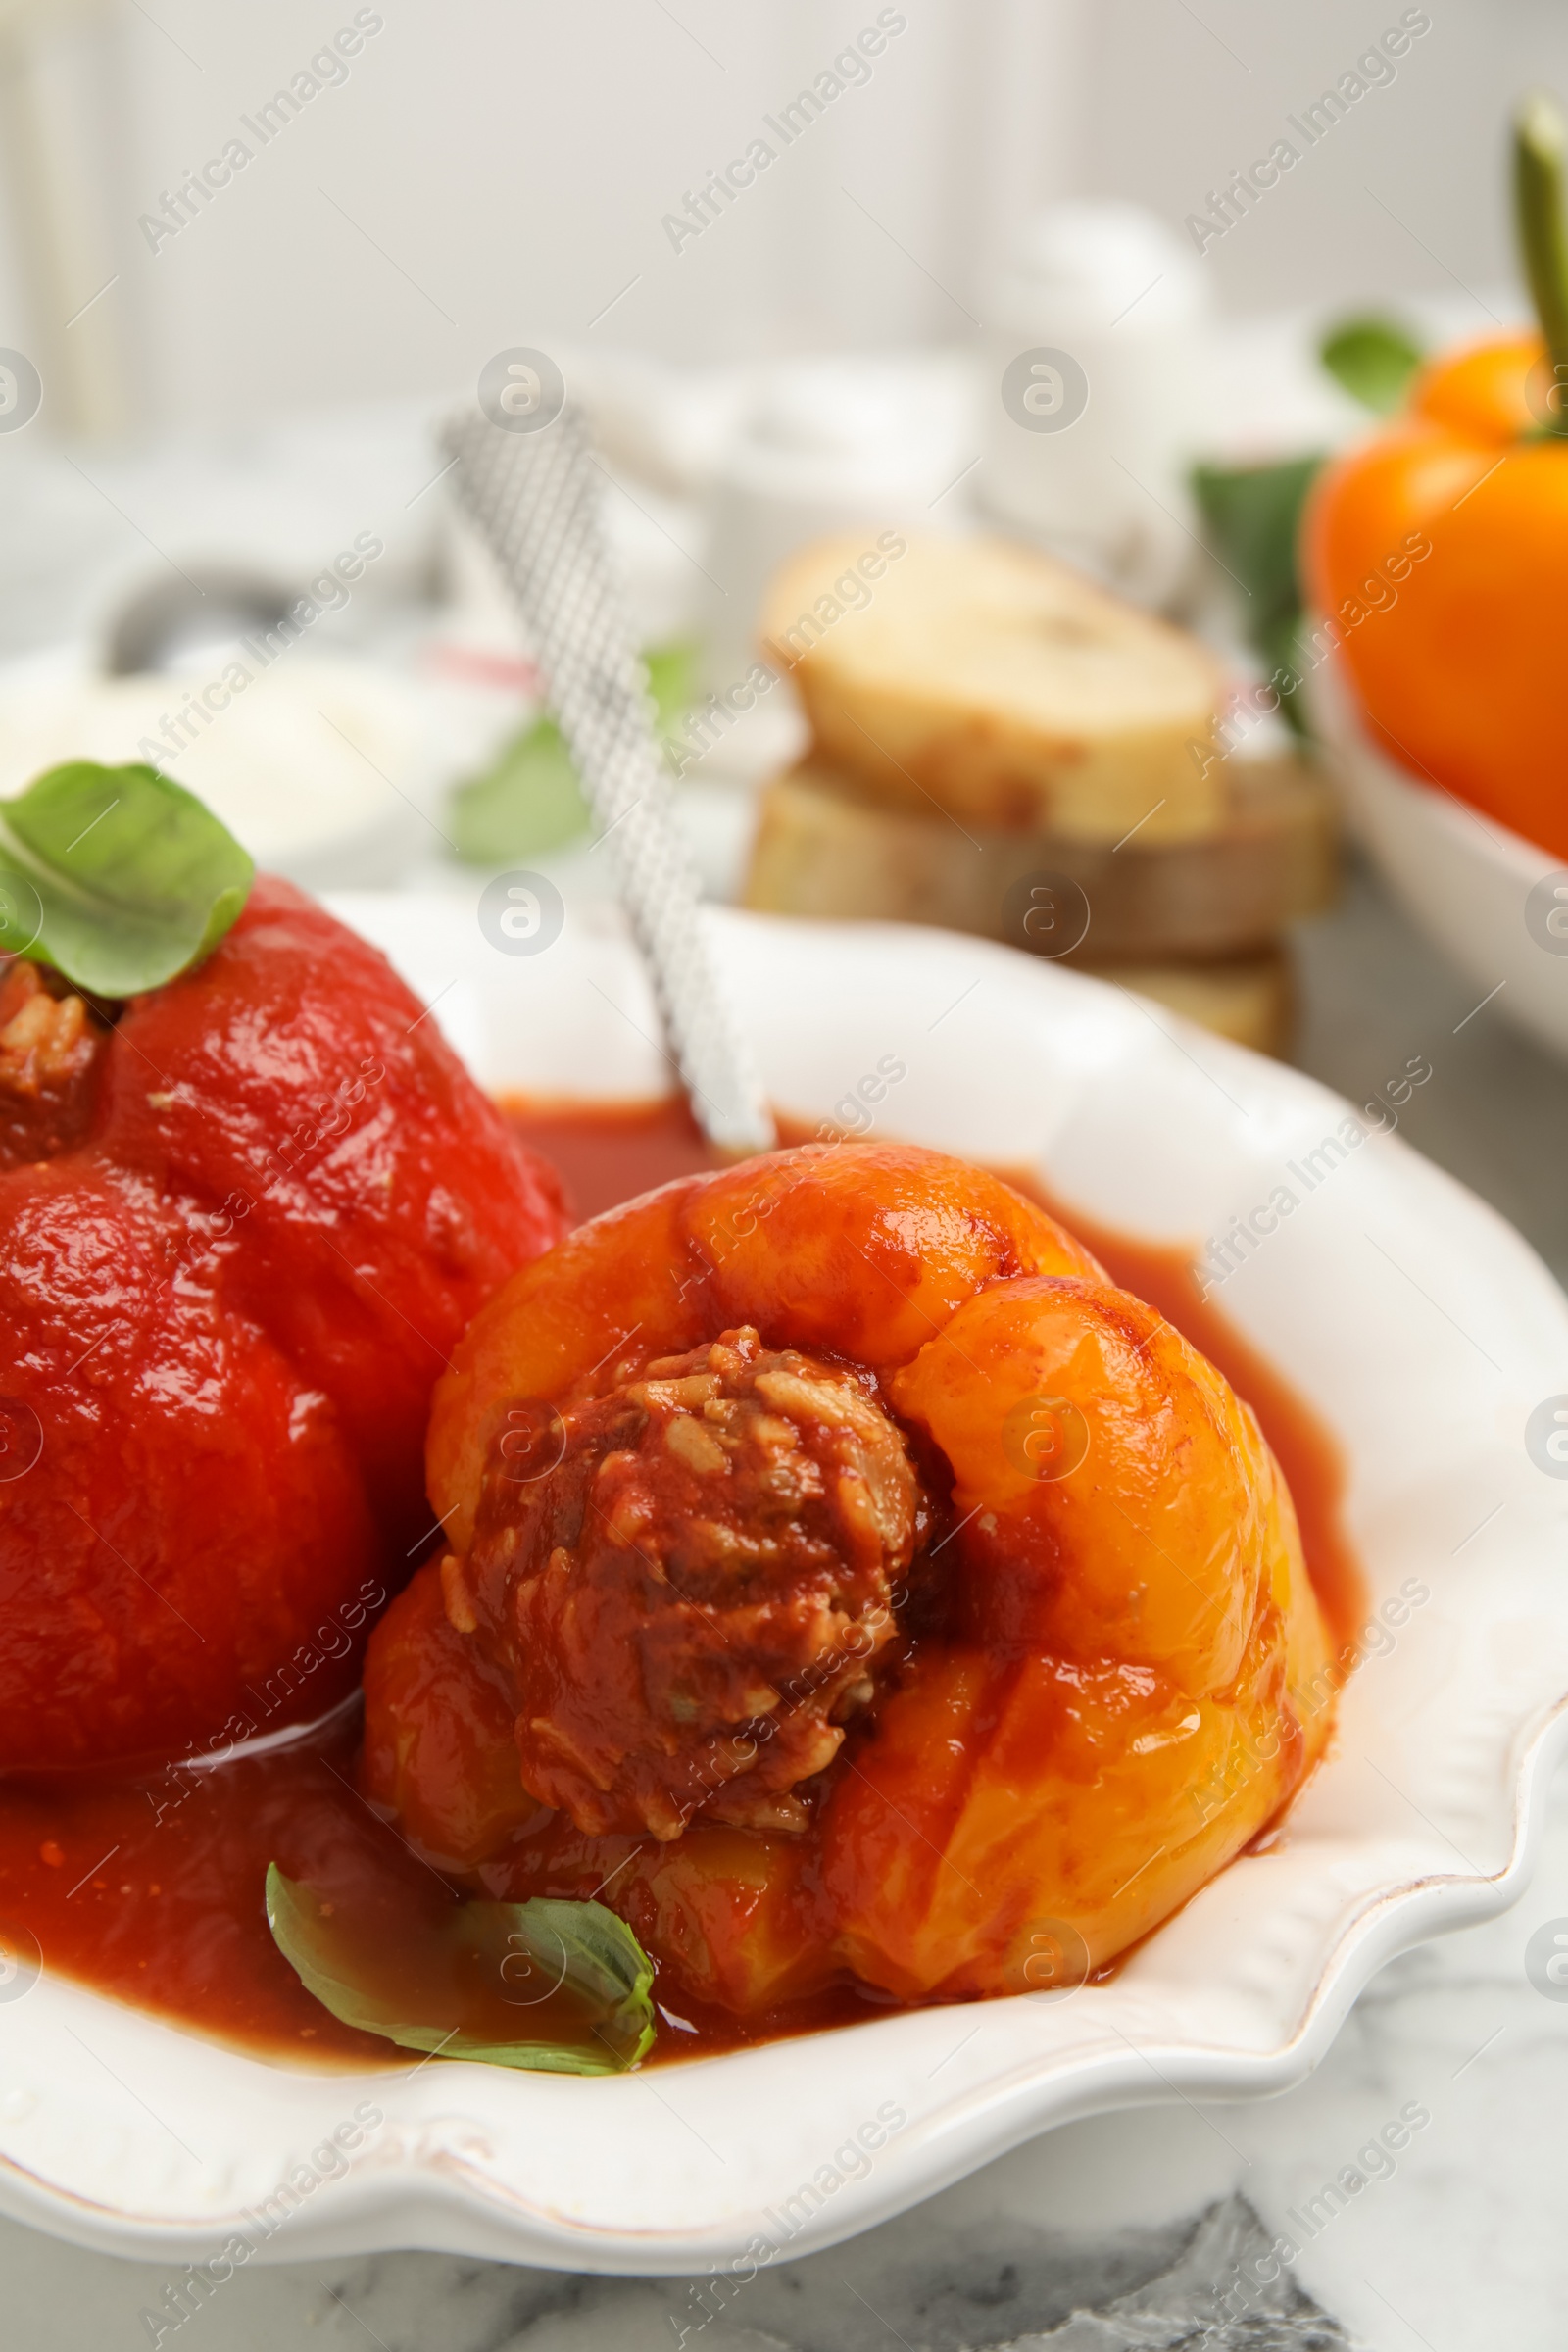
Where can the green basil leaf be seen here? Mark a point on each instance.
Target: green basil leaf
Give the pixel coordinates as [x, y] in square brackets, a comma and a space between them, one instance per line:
[525, 804]
[558, 1988]
[528, 801]
[1252, 517]
[116, 877]
[1373, 360]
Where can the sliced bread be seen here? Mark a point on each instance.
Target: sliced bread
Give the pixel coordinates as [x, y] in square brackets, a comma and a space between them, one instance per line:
[1250, 999]
[827, 846]
[1001, 685]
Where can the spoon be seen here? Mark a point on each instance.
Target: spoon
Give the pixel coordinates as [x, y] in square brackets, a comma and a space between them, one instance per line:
[167, 622]
[534, 498]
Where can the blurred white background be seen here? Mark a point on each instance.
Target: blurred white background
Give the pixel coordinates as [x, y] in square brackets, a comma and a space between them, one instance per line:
[498, 171]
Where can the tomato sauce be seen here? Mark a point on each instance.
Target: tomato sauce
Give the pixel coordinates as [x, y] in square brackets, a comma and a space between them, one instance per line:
[149, 1887]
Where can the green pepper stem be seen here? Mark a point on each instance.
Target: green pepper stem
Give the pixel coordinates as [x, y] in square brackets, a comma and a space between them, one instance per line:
[1539, 140]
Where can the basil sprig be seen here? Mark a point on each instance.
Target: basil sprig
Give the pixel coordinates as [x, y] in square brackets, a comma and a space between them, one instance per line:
[116, 877]
[572, 1975]
[1373, 358]
[1251, 515]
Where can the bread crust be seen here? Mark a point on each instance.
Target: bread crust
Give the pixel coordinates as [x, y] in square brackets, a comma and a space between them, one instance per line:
[1003, 685]
[827, 847]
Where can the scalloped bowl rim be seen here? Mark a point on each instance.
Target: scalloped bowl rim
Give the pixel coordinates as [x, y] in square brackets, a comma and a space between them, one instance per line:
[1427, 1353]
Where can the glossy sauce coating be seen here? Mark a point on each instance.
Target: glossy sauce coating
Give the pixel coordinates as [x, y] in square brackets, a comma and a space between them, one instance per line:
[1113, 1678]
[173, 1918]
[243, 1219]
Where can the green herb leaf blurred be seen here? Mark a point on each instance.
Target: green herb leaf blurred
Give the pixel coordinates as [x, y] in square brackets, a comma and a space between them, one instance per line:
[529, 801]
[1251, 515]
[1372, 359]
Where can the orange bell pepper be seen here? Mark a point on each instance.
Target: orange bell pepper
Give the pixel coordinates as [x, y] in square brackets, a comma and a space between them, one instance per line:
[948, 1740]
[1439, 550]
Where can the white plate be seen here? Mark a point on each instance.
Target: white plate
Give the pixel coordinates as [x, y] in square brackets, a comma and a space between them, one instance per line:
[1411, 1317]
[1469, 883]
